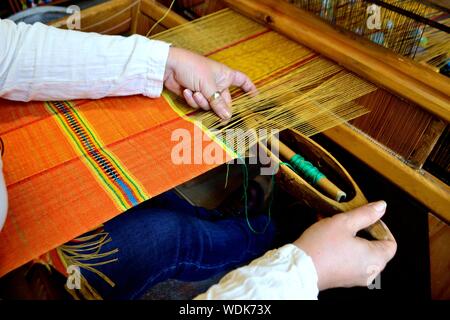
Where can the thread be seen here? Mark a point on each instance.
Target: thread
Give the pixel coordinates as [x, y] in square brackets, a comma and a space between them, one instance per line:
[160, 20]
[227, 175]
[245, 183]
[296, 87]
[85, 249]
[402, 22]
[269, 213]
[109, 17]
[306, 169]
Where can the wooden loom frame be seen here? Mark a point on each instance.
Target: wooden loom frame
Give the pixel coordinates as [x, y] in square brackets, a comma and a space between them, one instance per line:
[397, 74]
[125, 17]
[122, 17]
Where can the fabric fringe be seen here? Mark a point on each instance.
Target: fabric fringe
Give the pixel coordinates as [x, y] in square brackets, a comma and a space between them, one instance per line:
[80, 252]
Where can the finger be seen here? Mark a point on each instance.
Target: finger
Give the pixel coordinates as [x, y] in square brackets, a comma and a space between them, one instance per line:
[227, 97]
[218, 105]
[365, 216]
[239, 79]
[201, 101]
[174, 87]
[188, 96]
[221, 108]
[384, 250]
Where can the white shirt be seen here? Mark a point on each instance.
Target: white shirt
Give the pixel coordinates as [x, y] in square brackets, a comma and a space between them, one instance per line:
[3, 196]
[38, 62]
[287, 273]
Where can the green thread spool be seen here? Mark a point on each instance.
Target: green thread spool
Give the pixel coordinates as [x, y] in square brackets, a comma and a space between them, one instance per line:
[306, 169]
[313, 175]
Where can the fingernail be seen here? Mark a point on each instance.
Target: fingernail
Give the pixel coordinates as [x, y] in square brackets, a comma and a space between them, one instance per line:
[225, 114]
[379, 206]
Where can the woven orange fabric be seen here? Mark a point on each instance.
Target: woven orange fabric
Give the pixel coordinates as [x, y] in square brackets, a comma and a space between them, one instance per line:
[71, 166]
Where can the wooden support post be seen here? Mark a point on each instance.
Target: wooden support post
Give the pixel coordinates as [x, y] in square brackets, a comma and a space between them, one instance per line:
[397, 74]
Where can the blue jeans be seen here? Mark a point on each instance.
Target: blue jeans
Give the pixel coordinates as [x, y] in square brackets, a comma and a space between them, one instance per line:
[167, 238]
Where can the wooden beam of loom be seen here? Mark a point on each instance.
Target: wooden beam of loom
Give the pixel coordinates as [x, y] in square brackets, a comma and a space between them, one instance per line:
[149, 12]
[439, 233]
[155, 10]
[286, 19]
[208, 37]
[112, 17]
[123, 17]
[443, 4]
[425, 188]
[401, 76]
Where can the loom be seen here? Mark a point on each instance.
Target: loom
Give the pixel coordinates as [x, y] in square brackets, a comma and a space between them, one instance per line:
[419, 107]
[408, 103]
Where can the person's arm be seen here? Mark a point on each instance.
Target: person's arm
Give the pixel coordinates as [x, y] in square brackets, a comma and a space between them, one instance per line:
[327, 255]
[287, 273]
[38, 62]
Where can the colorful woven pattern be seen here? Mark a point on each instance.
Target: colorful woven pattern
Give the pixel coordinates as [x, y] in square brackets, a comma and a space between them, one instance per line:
[103, 164]
[71, 166]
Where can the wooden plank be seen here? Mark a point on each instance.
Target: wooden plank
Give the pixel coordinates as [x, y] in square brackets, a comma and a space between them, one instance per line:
[422, 186]
[399, 75]
[439, 234]
[156, 11]
[143, 24]
[426, 144]
[112, 17]
[146, 23]
[428, 190]
[400, 125]
[135, 13]
[442, 4]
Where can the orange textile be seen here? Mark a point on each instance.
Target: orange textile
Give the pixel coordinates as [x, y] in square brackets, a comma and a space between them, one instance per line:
[71, 166]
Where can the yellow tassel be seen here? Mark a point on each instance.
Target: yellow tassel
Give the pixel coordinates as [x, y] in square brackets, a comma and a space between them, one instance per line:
[78, 253]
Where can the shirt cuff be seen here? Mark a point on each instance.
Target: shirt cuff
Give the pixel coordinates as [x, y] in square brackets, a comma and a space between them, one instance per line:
[302, 279]
[157, 53]
[285, 273]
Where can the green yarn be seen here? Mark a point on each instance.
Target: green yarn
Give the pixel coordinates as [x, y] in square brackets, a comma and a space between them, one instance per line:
[227, 175]
[245, 184]
[245, 195]
[297, 164]
[306, 169]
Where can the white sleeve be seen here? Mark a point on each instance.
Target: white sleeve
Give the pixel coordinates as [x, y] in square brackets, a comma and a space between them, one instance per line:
[38, 62]
[287, 273]
[3, 197]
